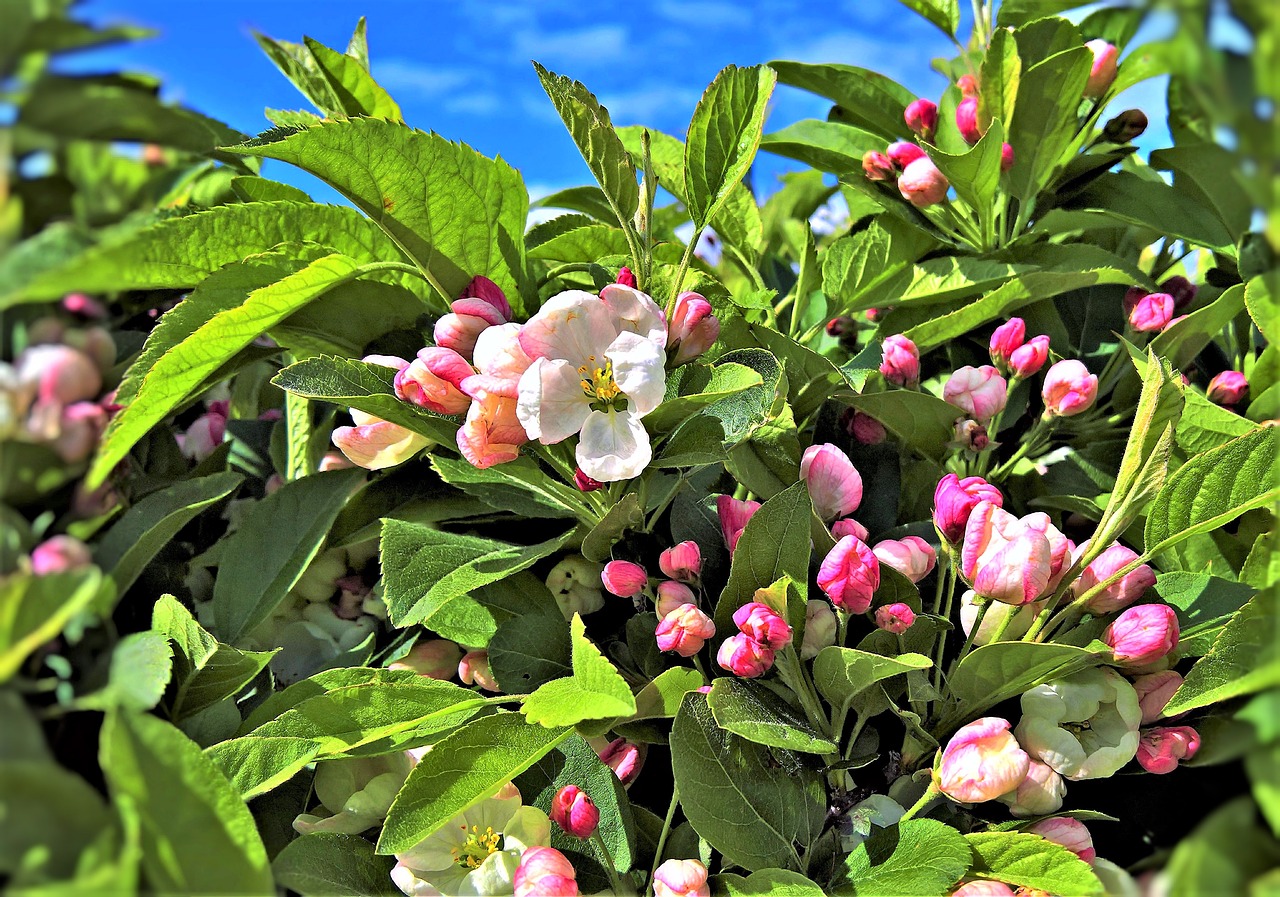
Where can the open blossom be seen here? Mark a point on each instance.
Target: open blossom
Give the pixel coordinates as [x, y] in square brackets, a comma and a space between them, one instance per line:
[1104, 68]
[911, 556]
[734, 514]
[1069, 389]
[682, 562]
[693, 327]
[598, 369]
[895, 618]
[922, 184]
[850, 575]
[820, 627]
[763, 624]
[981, 762]
[1069, 833]
[979, 392]
[1160, 749]
[1121, 593]
[1142, 634]
[1040, 793]
[681, 878]
[954, 500]
[1085, 725]
[492, 432]
[900, 362]
[433, 380]
[743, 656]
[834, 483]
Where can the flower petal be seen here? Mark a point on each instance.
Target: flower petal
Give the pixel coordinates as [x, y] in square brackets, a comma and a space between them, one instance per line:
[573, 326]
[614, 446]
[638, 371]
[635, 312]
[552, 405]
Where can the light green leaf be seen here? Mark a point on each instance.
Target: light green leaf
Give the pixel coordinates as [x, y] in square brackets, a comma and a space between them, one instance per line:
[841, 674]
[257, 189]
[993, 673]
[661, 698]
[1001, 71]
[625, 515]
[916, 858]
[326, 864]
[267, 555]
[692, 387]
[723, 137]
[1025, 860]
[1043, 124]
[34, 609]
[460, 771]
[1222, 854]
[755, 713]
[352, 84]
[53, 816]
[1264, 308]
[519, 486]
[826, 146]
[147, 527]
[1245, 658]
[868, 99]
[453, 211]
[1204, 604]
[945, 14]
[975, 175]
[596, 690]
[777, 882]
[140, 668]
[198, 835]
[754, 819]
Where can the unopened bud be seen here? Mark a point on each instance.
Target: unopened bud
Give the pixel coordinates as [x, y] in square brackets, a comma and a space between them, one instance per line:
[877, 166]
[967, 120]
[1126, 126]
[921, 117]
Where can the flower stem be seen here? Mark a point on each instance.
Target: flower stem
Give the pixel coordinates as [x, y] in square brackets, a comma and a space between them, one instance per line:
[929, 794]
[606, 860]
[662, 838]
[973, 631]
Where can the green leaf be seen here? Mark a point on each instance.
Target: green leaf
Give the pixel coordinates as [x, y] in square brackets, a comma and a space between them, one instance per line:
[1001, 71]
[723, 137]
[774, 544]
[147, 527]
[1181, 342]
[140, 668]
[1222, 854]
[1205, 426]
[267, 555]
[1207, 173]
[453, 211]
[752, 814]
[778, 882]
[1263, 767]
[460, 771]
[1214, 488]
[945, 14]
[841, 674]
[867, 99]
[1154, 204]
[197, 832]
[1044, 124]
[60, 816]
[425, 568]
[1030, 861]
[207, 670]
[661, 698]
[256, 189]
[366, 387]
[916, 858]
[692, 387]
[975, 175]
[826, 146]
[178, 253]
[755, 713]
[34, 610]
[530, 650]
[589, 126]
[923, 422]
[596, 690]
[1204, 604]
[1264, 308]
[297, 63]
[1245, 658]
[519, 486]
[326, 864]
[352, 84]
[625, 515]
[993, 673]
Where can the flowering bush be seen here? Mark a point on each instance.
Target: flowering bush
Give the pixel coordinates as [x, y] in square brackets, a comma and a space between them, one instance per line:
[401, 545]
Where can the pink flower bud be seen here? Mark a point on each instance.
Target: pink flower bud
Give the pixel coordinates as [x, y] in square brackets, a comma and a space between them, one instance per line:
[968, 86]
[967, 120]
[744, 656]
[850, 575]
[1182, 290]
[877, 166]
[671, 595]
[85, 306]
[1154, 692]
[584, 482]
[1040, 793]
[1119, 594]
[1152, 313]
[459, 332]
[377, 444]
[1008, 337]
[1227, 388]
[1004, 558]
[900, 361]
[574, 811]
[1142, 634]
[1160, 749]
[682, 562]
[626, 277]
[203, 437]
[971, 435]
[820, 626]
[979, 392]
[734, 515]
[491, 294]
[849, 527]
[1104, 68]
[763, 624]
[60, 554]
[954, 500]
[922, 184]
[1069, 389]
[436, 659]
[903, 153]
[624, 578]
[1126, 126]
[624, 758]
[911, 556]
[921, 116]
[58, 375]
[866, 429]
[433, 381]
[834, 483]
[492, 433]
[983, 887]
[473, 669]
[681, 878]
[1030, 357]
[981, 762]
[693, 328]
[81, 424]
[895, 618]
[334, 461]
[545, 872]
[1006, 157]
[1069, 833]
[684, 630]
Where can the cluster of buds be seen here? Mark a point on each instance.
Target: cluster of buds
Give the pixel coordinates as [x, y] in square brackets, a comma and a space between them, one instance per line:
[918, 178]
[762, 632]
[1013, 354]
[682, 626]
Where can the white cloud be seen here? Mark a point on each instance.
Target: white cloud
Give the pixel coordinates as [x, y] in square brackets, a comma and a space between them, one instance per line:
[424, 80]
[705, 14]
[478, 103]
[653, 106]
[596, 44]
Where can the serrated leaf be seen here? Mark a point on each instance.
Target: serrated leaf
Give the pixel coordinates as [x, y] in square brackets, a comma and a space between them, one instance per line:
[140, 668]
[774, 544]
[1043, 123]
[750, 710]
[1028, 860]
[1244, 659]
[352, 84]
[1001, 71]
[460, 771]
[326, 864]
[915, 858]
[778, 882]
[596, 690]
[841, 674]
[519, 486]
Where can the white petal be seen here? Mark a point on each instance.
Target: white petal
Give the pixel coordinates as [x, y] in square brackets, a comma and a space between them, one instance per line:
[551, 405]
[614, 446]
[638, 371]
[572, 326]
[635, 312]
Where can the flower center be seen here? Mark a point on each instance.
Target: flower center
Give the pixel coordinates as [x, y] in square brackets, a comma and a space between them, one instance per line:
[477, 848]
[1077, 728]
[598, 383]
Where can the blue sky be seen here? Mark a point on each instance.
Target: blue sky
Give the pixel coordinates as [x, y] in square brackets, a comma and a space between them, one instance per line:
[462, 68]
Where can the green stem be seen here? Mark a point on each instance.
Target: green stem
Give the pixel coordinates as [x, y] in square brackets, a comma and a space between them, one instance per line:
[949, 575]
[929, 794]
[606, 860]
[973, 631]
[680, 272]
[1001, 627]
[662, 838]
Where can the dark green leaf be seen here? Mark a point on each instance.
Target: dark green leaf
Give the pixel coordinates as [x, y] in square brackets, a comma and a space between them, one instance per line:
[326, 864]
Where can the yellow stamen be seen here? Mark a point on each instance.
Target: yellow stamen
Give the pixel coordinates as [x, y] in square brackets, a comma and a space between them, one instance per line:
[477, 848]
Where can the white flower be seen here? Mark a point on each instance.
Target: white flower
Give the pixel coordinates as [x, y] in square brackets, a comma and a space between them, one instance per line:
[598, 368]
[476, 852]
[575, 583]
[1084, 726]
[358, 792]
